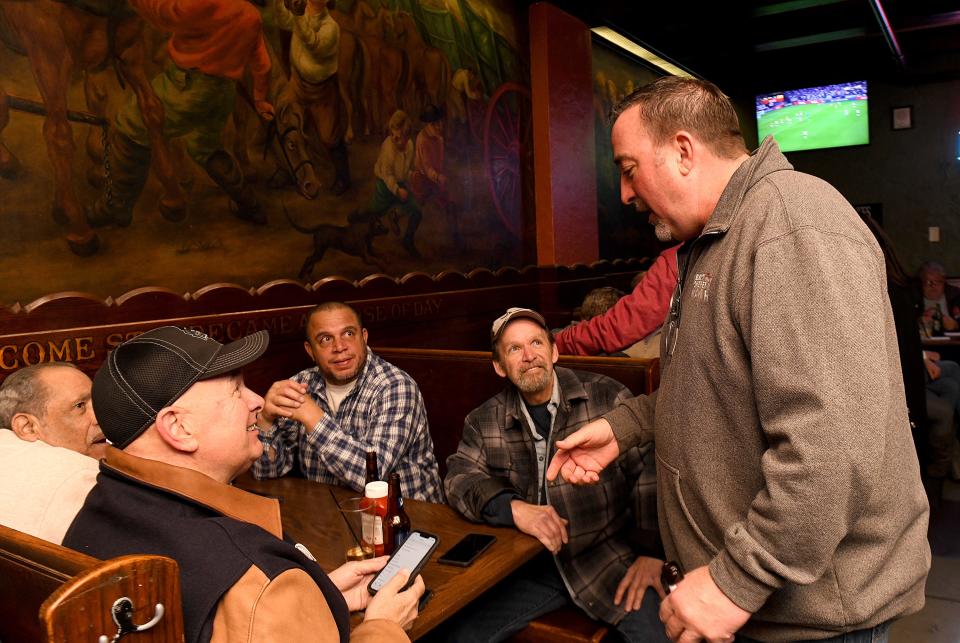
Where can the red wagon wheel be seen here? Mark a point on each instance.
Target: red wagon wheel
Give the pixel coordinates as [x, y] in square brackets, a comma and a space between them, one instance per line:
[508, 151]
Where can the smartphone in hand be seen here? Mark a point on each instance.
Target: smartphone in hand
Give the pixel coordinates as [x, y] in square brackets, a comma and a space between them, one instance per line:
[413, 554]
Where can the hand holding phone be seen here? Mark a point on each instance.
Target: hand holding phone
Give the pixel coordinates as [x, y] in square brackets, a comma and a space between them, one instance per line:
[467, 550]
[392, 604]
[413, 555]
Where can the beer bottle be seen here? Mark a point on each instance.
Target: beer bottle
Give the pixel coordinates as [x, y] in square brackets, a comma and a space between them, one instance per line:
[371, 468]
[937, 321]
[399, 521]
[670, 575]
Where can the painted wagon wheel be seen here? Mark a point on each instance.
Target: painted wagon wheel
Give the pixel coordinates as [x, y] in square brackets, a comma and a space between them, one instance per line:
[508, 151]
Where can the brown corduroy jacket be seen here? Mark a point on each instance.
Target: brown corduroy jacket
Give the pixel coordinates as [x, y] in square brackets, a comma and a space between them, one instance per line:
[157, 508]
[784, 455]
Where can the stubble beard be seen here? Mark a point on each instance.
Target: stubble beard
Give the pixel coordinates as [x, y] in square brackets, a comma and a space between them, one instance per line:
[660, 229]
[340, 380]
[663, 232]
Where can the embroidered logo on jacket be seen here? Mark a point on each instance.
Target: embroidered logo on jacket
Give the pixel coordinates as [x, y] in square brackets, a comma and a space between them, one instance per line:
[701, 286]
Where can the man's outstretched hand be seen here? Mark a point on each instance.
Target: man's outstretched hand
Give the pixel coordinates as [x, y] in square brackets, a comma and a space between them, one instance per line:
[581, 456]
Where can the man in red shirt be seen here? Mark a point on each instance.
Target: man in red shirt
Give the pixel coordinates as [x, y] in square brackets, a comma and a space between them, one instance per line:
[631, 319]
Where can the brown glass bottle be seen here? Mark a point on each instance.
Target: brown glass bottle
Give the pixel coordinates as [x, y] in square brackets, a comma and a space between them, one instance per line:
[372, 475]
[399, 520]
[670, 575]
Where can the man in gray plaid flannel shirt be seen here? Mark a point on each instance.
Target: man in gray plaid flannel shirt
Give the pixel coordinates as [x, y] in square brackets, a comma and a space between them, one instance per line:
[326, 418]
[497, 476]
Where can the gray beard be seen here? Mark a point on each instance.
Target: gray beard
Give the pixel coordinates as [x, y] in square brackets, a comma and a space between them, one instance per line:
[533, 384]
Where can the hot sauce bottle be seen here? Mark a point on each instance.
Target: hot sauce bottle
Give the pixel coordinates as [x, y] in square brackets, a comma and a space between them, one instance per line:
[374, 529]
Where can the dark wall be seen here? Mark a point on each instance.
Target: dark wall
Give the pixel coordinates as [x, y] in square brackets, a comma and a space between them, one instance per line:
[914, 173]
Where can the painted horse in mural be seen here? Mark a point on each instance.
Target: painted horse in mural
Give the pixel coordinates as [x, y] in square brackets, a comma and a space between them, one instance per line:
[353, 79]
[59, 37]
[355, 71]
[429, 66]
[389, 81]
[289, 142]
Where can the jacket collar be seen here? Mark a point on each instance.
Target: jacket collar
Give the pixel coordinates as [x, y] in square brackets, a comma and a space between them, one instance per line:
[198, 489]
[765, 160]
[571, 388]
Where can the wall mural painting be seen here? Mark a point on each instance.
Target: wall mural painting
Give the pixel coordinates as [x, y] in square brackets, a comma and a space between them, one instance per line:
[623, 231]
[179, 143]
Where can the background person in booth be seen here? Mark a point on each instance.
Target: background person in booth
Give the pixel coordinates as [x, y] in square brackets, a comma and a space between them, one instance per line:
[936, 292]
[496, 476]
[326, 418]
[180, 439]
[49, 445]
[931, 415]
[787, 480]
[631, 320]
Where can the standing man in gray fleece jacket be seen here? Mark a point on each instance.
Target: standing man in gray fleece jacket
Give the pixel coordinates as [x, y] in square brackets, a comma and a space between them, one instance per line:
[788, 484]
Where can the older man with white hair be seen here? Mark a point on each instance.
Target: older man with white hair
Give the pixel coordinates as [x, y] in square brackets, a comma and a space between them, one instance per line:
[49, 445]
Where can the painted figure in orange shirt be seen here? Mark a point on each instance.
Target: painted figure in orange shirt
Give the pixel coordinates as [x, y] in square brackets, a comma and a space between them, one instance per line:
[212, 44]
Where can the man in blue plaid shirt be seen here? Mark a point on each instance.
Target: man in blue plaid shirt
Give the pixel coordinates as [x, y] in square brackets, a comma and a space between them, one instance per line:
[326, 418]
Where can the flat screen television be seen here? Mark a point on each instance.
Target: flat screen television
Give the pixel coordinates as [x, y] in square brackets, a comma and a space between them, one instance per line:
[816, 117]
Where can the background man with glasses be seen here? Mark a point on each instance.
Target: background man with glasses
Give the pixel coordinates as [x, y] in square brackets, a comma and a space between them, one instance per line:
[936, 292]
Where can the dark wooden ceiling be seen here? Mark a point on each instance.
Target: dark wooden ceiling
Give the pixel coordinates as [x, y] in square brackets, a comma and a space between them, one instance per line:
[764, 45]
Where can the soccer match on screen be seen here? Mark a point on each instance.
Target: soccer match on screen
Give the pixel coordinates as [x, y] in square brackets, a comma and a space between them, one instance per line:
[815, 117]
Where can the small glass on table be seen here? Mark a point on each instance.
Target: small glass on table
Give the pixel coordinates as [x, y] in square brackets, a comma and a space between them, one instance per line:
[353, 513]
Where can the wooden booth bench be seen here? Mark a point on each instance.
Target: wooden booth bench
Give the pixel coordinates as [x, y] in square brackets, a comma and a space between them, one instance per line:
[449, 310]
[51, 593]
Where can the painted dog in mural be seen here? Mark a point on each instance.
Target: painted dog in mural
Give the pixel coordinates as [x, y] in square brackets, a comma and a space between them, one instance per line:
[355, 238]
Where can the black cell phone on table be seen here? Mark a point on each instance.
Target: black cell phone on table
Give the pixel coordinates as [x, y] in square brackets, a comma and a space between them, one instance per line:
[413, 554]
[467, 550]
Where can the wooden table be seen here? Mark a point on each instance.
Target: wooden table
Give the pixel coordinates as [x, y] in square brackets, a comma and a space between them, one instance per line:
[948, 347]
[933, 342]
[310, 516]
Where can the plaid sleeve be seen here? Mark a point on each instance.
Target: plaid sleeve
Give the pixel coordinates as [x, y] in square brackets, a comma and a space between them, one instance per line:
[388, 431]
[470, 484]
[282, 443]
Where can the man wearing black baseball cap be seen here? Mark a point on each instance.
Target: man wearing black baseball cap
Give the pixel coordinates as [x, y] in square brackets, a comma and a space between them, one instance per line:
[173, 404]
